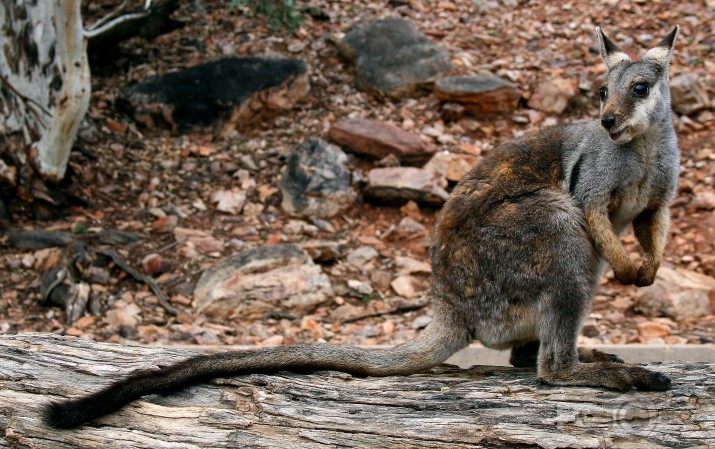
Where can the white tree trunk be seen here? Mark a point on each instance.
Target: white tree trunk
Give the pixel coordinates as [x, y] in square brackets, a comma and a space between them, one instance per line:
[45, 85]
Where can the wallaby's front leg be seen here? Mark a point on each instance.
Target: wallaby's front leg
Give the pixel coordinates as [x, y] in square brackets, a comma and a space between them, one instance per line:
[651, 229]
[609, 245]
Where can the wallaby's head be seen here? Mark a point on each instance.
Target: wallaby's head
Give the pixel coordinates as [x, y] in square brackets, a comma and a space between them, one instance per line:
[635, 95]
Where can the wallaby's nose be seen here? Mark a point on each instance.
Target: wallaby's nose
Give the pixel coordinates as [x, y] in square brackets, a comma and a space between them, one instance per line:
[608, 122]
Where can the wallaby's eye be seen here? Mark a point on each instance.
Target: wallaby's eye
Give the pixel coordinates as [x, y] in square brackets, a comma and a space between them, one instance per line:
[641, 89]
[603, 92]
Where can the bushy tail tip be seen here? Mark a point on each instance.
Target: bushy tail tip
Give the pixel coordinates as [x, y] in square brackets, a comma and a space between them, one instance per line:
[63, 415]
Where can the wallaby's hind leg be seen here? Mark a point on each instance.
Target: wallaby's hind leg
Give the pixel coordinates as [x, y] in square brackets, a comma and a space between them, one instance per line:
[559, 364]
[526, 355]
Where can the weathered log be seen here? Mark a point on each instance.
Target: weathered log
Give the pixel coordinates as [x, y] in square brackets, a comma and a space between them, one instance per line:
[447, 407]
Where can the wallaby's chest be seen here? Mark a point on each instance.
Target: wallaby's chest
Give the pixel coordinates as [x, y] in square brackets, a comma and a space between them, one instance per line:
[632, 194]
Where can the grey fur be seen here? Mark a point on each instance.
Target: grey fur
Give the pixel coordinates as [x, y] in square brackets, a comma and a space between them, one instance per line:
[517, 253]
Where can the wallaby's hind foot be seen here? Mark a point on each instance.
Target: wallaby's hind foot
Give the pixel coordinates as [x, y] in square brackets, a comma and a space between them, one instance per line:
[564, 369]
[615, 376]
[526, 355]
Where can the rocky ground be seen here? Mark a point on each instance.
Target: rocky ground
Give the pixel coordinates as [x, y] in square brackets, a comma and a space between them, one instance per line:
[358, 270]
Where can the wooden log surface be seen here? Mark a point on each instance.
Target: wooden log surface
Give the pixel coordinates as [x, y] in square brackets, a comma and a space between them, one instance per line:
[448, 407]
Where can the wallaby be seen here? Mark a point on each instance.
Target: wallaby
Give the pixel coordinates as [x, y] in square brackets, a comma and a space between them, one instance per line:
[517, 252]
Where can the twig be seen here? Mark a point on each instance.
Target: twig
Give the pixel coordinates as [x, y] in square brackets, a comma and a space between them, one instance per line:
[94, 32]
[141, 278]
[403, 307]
[109, 16]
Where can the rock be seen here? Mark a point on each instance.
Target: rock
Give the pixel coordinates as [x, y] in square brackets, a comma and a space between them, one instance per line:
[408, 265]
[154, 265]
[678, 294]
[229, 201]
[409, 227]
[164, 224]
[479, 94]
[688, 94]
[704, 201]
[202, 241]
[401, 184]
[651, 329]
[276, 340]
[393, 58]
[361, 255]
[360, 287]
[404, 286]
[127, 315]
[316, 181]
[553, 95]
[322, 251]
[296, 227]
[226, 93]
[452, 166]
[377, 139]
[266, 278]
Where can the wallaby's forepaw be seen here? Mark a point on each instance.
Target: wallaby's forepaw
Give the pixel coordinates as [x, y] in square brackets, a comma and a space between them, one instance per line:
[646, 275]
[588, 355]
[626, 275]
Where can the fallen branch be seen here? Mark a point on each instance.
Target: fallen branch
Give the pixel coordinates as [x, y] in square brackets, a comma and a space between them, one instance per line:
[447, 407]
[124, 265]
[38, 239]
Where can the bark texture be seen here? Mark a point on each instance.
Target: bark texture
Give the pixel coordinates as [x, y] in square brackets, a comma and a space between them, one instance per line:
[487, 407]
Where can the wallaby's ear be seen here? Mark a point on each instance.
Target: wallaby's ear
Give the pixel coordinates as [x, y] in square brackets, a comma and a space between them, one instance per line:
[662, 52]
[610, 52]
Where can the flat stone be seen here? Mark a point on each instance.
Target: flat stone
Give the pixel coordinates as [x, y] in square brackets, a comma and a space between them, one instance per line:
[553, 95]
[704, 201]
[377, 140]
[222, 94]
[393, 58]
[688, 94]
[361, 255]
[452, 166]
[410, 228]
[678, 294]
[316, 182]
[360, 287]
[402, 184]
[266, 278]
[408, 265]
[651, 329]
[404, 286]
[479, 94]
[127, 315]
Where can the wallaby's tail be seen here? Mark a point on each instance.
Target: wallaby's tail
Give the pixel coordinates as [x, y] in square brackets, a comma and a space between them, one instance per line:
[431, 347]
